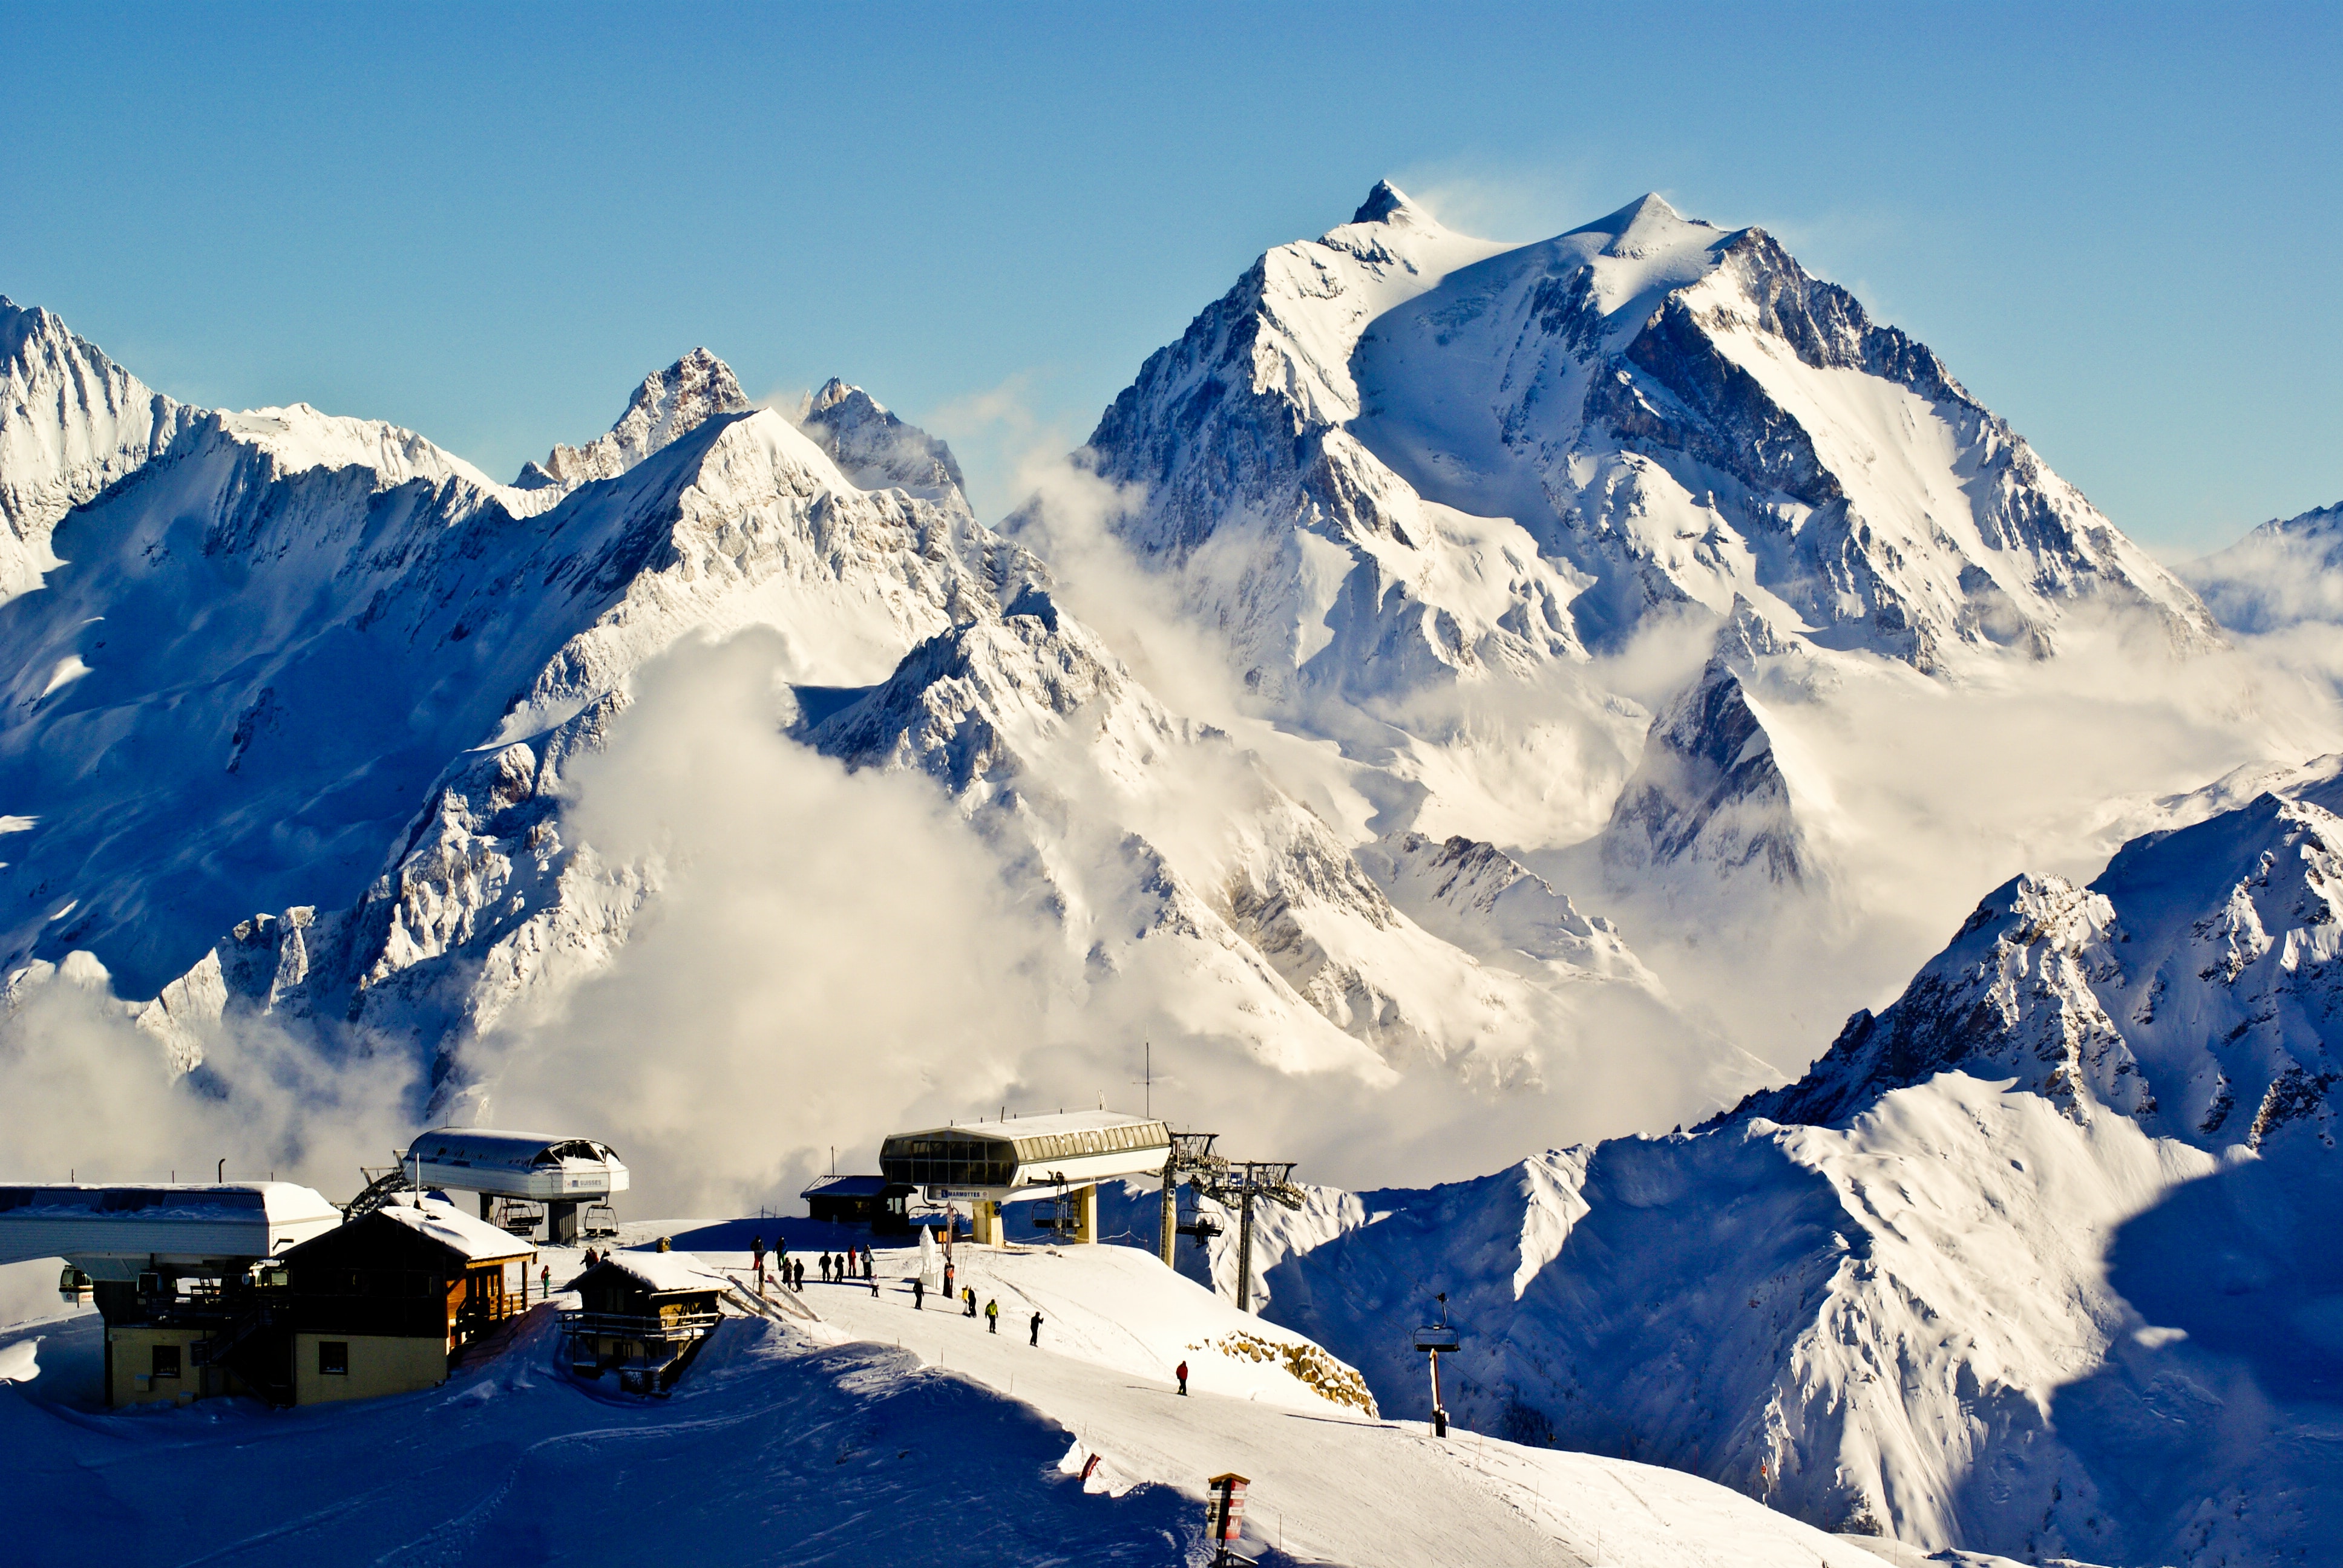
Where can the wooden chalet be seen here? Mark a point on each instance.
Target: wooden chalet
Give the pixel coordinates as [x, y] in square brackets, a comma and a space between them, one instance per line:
[643, 1315]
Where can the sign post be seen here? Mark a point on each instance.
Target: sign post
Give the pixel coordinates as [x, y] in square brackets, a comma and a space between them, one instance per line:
[1224, 1518]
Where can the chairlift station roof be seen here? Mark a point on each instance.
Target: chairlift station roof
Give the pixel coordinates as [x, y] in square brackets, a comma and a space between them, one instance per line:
[540, 1165]
[112, 1232]
[987, 1161]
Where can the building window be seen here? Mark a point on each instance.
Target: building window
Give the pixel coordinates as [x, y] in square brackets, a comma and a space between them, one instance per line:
[333, 1358]
[166, 1361]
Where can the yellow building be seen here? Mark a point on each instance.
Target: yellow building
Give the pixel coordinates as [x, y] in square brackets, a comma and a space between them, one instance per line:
[382, 1304]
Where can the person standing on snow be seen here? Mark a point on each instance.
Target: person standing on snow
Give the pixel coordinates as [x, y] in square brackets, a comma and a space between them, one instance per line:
[968, 1294]
[1182, 1374]
[992, 1317]
[919, 1295]
[1036, 1338]
[874, 1283]
[757, 1250]
[545, 1281]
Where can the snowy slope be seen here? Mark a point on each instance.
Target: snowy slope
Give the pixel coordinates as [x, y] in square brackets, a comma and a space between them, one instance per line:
[875, 1433]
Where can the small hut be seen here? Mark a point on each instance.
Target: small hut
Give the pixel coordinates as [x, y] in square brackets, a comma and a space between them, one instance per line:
[643, 1315]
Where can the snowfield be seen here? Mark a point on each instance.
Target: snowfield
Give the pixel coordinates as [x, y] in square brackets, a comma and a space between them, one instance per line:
[874, 1434]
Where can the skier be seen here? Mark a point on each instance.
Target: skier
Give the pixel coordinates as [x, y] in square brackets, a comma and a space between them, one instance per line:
[919, 1295]
[992, 1317]
[949, 1294]
[756, 1248]
[1036, 1338]
[869, 1265]
[1182, 1374]
[968, 1294]
[800, 1275]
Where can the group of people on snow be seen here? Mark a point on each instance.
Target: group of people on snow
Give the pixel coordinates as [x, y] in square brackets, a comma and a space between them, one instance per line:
[850, 1264]
[858, 1264]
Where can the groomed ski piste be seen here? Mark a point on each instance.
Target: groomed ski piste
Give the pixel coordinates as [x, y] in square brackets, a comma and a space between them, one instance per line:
[840, 1426]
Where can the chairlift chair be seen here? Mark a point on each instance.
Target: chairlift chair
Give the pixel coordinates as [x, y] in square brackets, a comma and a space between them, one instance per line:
[520, 1216]
[1195, 1221]
[600, 1222]
[1057, 1217]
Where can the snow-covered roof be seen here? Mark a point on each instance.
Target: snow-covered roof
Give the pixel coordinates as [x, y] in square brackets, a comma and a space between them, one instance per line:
[452, 1228]
[87, 1220]
[1055, 1125]
[668, 1271]
[540, 1165]
[142, 1200]
[845, 1187]
[493, 1147]
[1025, 1151]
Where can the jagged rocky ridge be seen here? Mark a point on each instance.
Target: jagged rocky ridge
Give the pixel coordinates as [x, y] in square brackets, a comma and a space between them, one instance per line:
[244, 868]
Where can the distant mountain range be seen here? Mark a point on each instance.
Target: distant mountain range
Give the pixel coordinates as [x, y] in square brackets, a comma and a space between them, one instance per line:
[1554, 586]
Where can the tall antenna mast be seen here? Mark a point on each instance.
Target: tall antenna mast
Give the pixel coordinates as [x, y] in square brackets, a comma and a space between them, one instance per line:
[1147, 1076]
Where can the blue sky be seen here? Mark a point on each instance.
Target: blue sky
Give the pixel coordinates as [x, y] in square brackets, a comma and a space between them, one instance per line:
[2120, 226]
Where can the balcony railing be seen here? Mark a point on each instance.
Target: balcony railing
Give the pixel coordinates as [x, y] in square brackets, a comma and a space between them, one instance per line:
[648, 1328]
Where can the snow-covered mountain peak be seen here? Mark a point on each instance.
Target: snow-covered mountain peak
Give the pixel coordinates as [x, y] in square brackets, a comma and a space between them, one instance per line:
[19, 325]
[1647, 225]
[1540, 445]
[669, 405]
[1385, 202]
[72, 422]
[874, 448]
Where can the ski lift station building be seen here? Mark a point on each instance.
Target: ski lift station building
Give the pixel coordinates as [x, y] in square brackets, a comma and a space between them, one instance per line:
[557, 1171]
[983, 1163]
